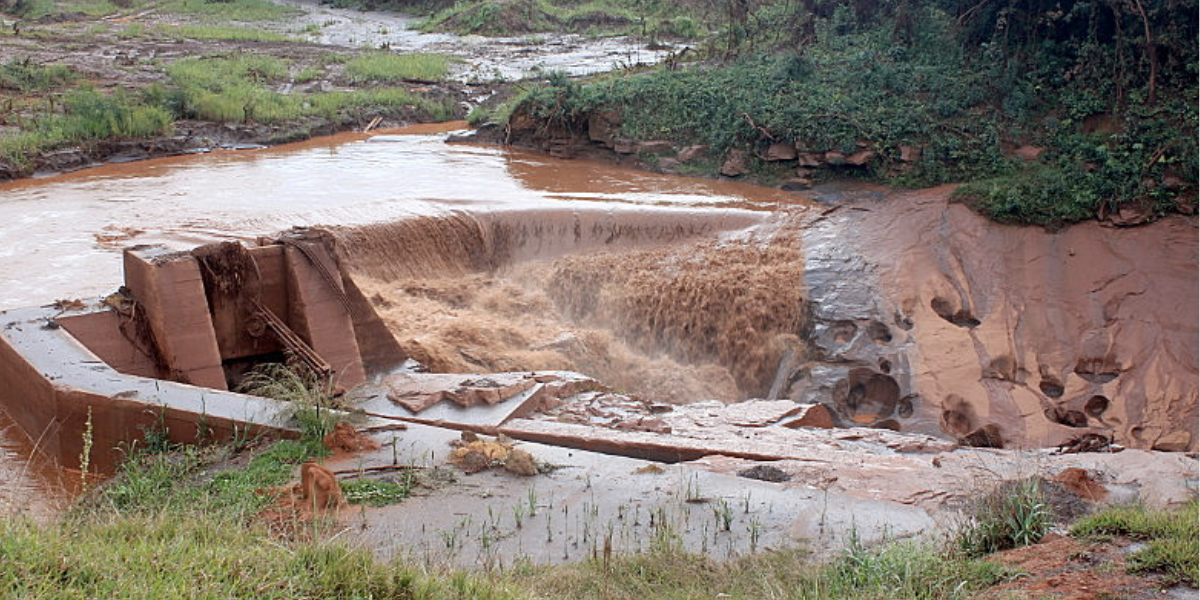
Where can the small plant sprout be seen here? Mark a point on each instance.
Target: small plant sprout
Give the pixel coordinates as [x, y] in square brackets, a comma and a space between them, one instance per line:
[518, 514]
[755, 529]
[85, 455]
[692, 492]
[723, 514]
[531, 496]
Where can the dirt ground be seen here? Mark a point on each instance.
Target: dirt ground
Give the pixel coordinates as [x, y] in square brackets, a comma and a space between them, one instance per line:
[1063, 568]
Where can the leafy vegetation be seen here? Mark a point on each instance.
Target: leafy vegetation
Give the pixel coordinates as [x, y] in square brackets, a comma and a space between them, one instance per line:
[1103, 90]
[314, 403]
[1172, 538]
[86, 115]
[24, 76]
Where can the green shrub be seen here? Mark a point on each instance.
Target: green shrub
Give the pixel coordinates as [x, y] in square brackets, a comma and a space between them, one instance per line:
[26, 76]
[314, 404]
[909, 570]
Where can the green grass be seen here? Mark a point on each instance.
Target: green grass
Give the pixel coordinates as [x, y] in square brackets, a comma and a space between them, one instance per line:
[1172, 538]
[223, 11]
[221, 32]
[652, 18]
[239, 87]
[86, 115]
[375, 492]
[233, 10]
[387, 67]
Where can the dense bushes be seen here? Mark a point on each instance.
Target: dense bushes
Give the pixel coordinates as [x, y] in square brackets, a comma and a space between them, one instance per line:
[966, 83]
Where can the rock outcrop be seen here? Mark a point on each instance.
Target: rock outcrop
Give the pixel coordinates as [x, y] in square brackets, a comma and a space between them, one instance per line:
[929, 318]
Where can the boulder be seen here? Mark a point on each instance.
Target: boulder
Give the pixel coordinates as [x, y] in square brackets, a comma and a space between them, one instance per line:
[780, 151]
[668, 165]
[910, 154]
[736, 163]
[987, 436]
[655, 147]
[811, 159]
[625, 146]
[603, 126]
[860, 158]
[690, 153]
[835, 158]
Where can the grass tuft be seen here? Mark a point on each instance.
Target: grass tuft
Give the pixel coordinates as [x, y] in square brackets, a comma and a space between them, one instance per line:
[386, 67]
[375, 492]
[26, 76]
[314, 405]
[1172, 537]
[1014, 515]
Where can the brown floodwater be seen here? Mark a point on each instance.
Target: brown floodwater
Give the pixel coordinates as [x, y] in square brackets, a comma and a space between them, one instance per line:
[61, 236]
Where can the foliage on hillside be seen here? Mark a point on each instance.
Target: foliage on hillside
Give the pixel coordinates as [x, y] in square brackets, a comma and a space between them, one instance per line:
[1106, 89]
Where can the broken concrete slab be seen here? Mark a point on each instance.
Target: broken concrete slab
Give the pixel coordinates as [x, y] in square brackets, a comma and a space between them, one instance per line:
[419, 391]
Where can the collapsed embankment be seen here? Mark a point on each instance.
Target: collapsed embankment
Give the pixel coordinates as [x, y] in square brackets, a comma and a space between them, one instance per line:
[897, 310]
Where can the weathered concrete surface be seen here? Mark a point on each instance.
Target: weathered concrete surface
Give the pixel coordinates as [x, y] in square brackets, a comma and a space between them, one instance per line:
[319, 312]
[466, 402]
[53, 385]
[171, 289]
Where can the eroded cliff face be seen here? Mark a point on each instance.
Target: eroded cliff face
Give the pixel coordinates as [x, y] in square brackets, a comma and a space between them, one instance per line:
[898, 310]
[927, 317]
